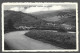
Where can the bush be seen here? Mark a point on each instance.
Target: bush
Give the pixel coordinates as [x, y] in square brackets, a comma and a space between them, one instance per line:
[61, 29]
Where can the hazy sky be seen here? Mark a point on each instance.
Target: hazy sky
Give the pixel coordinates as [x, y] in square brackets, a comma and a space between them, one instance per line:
[37, 8]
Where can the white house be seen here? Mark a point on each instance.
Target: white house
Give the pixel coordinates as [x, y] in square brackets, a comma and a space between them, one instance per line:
[67, 26]
[24, 27]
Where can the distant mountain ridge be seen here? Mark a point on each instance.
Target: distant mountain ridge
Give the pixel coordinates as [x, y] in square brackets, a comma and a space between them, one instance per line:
[67, 16]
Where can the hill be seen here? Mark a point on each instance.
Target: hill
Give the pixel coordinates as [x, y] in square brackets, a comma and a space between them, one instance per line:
[19, 18]
[45, 21]
[59, 17]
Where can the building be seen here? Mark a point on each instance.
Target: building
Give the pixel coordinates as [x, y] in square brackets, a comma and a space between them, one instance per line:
[24, 27]
[66, 26]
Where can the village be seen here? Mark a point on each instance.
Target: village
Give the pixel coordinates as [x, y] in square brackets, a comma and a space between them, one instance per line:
[53, 26]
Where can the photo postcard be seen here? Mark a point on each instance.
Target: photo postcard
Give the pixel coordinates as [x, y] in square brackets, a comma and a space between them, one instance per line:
[40, 27]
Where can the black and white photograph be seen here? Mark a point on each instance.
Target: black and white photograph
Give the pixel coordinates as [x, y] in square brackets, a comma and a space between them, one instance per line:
[39, 26]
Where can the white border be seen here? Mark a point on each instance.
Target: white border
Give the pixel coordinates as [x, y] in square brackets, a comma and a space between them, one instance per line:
[39, 3]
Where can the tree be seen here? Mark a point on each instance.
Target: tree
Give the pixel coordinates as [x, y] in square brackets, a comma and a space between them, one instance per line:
[10, 25]
[61, 29]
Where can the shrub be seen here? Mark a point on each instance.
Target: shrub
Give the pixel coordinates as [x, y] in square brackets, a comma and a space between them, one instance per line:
[62, 29]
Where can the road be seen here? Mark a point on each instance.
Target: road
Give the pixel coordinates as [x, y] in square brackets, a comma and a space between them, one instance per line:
[18, 41]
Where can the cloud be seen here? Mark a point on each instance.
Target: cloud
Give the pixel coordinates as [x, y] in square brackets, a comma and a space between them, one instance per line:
[56, 8]
[37, 9]
[33, 9]
[17, 9]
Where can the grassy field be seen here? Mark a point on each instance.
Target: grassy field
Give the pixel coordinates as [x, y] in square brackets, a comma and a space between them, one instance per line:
[61, 39]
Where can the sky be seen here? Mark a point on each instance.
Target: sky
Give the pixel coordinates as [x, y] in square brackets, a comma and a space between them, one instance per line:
[38, 8]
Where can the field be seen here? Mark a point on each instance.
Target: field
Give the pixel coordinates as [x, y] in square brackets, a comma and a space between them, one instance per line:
[61, 39]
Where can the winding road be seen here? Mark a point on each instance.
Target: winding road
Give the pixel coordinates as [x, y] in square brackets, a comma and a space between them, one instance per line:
[18, 41]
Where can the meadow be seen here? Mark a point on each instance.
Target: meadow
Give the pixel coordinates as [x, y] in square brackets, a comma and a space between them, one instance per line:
[60, 39]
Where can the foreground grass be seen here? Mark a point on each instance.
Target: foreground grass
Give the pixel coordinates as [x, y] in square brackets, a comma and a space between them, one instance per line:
[64, 40]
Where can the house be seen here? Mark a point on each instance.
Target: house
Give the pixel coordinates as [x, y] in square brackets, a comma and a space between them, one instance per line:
[66, 26]
[24, 27]
[51, 24]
